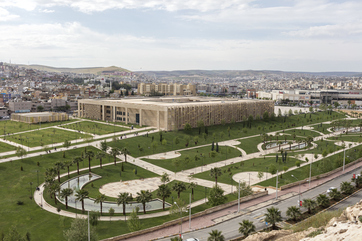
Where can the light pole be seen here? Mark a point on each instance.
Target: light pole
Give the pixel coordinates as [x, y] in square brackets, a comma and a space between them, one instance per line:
[344, 158]
[249, 179]
[239, 198]
[299, 188]
[310, 171]
[180, 217]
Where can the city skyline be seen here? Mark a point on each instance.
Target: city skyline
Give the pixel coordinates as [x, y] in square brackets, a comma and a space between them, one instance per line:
[313, 36]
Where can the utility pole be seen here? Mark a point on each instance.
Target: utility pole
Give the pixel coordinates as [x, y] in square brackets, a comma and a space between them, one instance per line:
[276, 197]
[239, 198]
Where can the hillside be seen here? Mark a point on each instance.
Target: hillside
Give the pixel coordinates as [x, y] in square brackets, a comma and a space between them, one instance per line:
[90, 70]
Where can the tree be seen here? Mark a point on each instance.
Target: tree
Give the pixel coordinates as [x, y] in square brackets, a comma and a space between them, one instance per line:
[335, 194]
[133, 222]
[100, 156]
[53, 190]
[154, 146]
[79, 231]
[114, 153]
[215, 173]
[323, 200]
[144, 197]
[245, 189]
[14, 235]
[165, 178]
[272, 169]
[125, 152]
[100, 199]
[20, 152]
[309, 204]
[200, 124]
[178, 187]
[104, 146]
[177, 238]
[40, 108]
[163, 192]
[273, 216]
[293, 212]
[187, 127]
[216, 196]
[346, 188]
[123, 198]
[81, 195]
[66, 144]
[215, 235]
[89, 155]
[77, 160]
[246, 228]
[68, 164]
[65, 193]
[58, 166]
[94, 217]
[265, 116]
[260, 175]
[191, 186]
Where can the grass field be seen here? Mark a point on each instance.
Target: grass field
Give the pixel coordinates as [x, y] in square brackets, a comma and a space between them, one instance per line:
[94, 128]
[45, 137]
[215, 133]
[13, 126]
[249, 145]
[319, 167]
[255, 165]
[6, 147]
[178, 164]
[303, 133]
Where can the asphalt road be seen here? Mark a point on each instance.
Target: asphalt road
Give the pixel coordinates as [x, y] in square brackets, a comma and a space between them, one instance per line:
[230, 228]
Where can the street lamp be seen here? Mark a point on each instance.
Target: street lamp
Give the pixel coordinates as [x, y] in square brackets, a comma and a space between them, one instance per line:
[180, 217]
[299, 188]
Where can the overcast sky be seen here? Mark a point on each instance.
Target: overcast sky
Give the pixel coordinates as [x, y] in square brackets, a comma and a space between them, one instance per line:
[289, 35]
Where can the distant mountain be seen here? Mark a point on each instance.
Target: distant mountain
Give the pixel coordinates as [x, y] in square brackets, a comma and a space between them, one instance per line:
[90, 70]
[238, 73]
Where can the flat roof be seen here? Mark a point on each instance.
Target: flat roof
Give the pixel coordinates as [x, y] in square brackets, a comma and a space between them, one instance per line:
[35, 114]
[169, 101]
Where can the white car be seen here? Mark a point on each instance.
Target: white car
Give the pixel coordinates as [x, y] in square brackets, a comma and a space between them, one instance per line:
[192, 239]
[330, 189]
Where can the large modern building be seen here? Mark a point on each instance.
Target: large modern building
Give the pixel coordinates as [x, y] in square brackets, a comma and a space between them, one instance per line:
[36, 117]
[173, 113]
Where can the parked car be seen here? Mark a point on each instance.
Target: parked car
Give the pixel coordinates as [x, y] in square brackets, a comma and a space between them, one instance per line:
[330, 189]
[192, 239]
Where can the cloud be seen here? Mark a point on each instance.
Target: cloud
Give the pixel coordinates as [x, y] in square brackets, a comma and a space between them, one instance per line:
[6, 16]
[337, 30]
[46, 11]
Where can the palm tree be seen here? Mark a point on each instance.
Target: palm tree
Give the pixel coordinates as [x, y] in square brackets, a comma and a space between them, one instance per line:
[65, 193]
[246, 228]
[68, 164]
[81, 195]
[176, 239]
[215, 173]
[273, 216]
[99, 156]
[178, 187]
[215, 235]
[125, 152]
[309, 204]
[114, 153]
[192, 185]
[293, 212]
[290, 145]
[100, 199]
[104, 146]
[144, 197]
[58, 166]
[163, 192]
[123, 198]
[89, 155]
[323, 200]
[77, 160]
[53, 190]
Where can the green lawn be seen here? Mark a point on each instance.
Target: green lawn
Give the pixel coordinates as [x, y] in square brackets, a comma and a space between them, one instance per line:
[255, 165]
[329, 146]
[178, 164]
[303, 133]
[94, 128]
[6, 147]
[117, 123]
[215, 133]
[353, 137]
[322, 128]
[14, 126]
[319, 167]
[249, 145]
[111, 173]
[45, 137]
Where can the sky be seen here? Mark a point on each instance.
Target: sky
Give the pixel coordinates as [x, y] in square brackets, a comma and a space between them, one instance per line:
[287, 35]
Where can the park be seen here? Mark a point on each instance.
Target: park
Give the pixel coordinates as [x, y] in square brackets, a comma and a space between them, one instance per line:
[54, 172]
